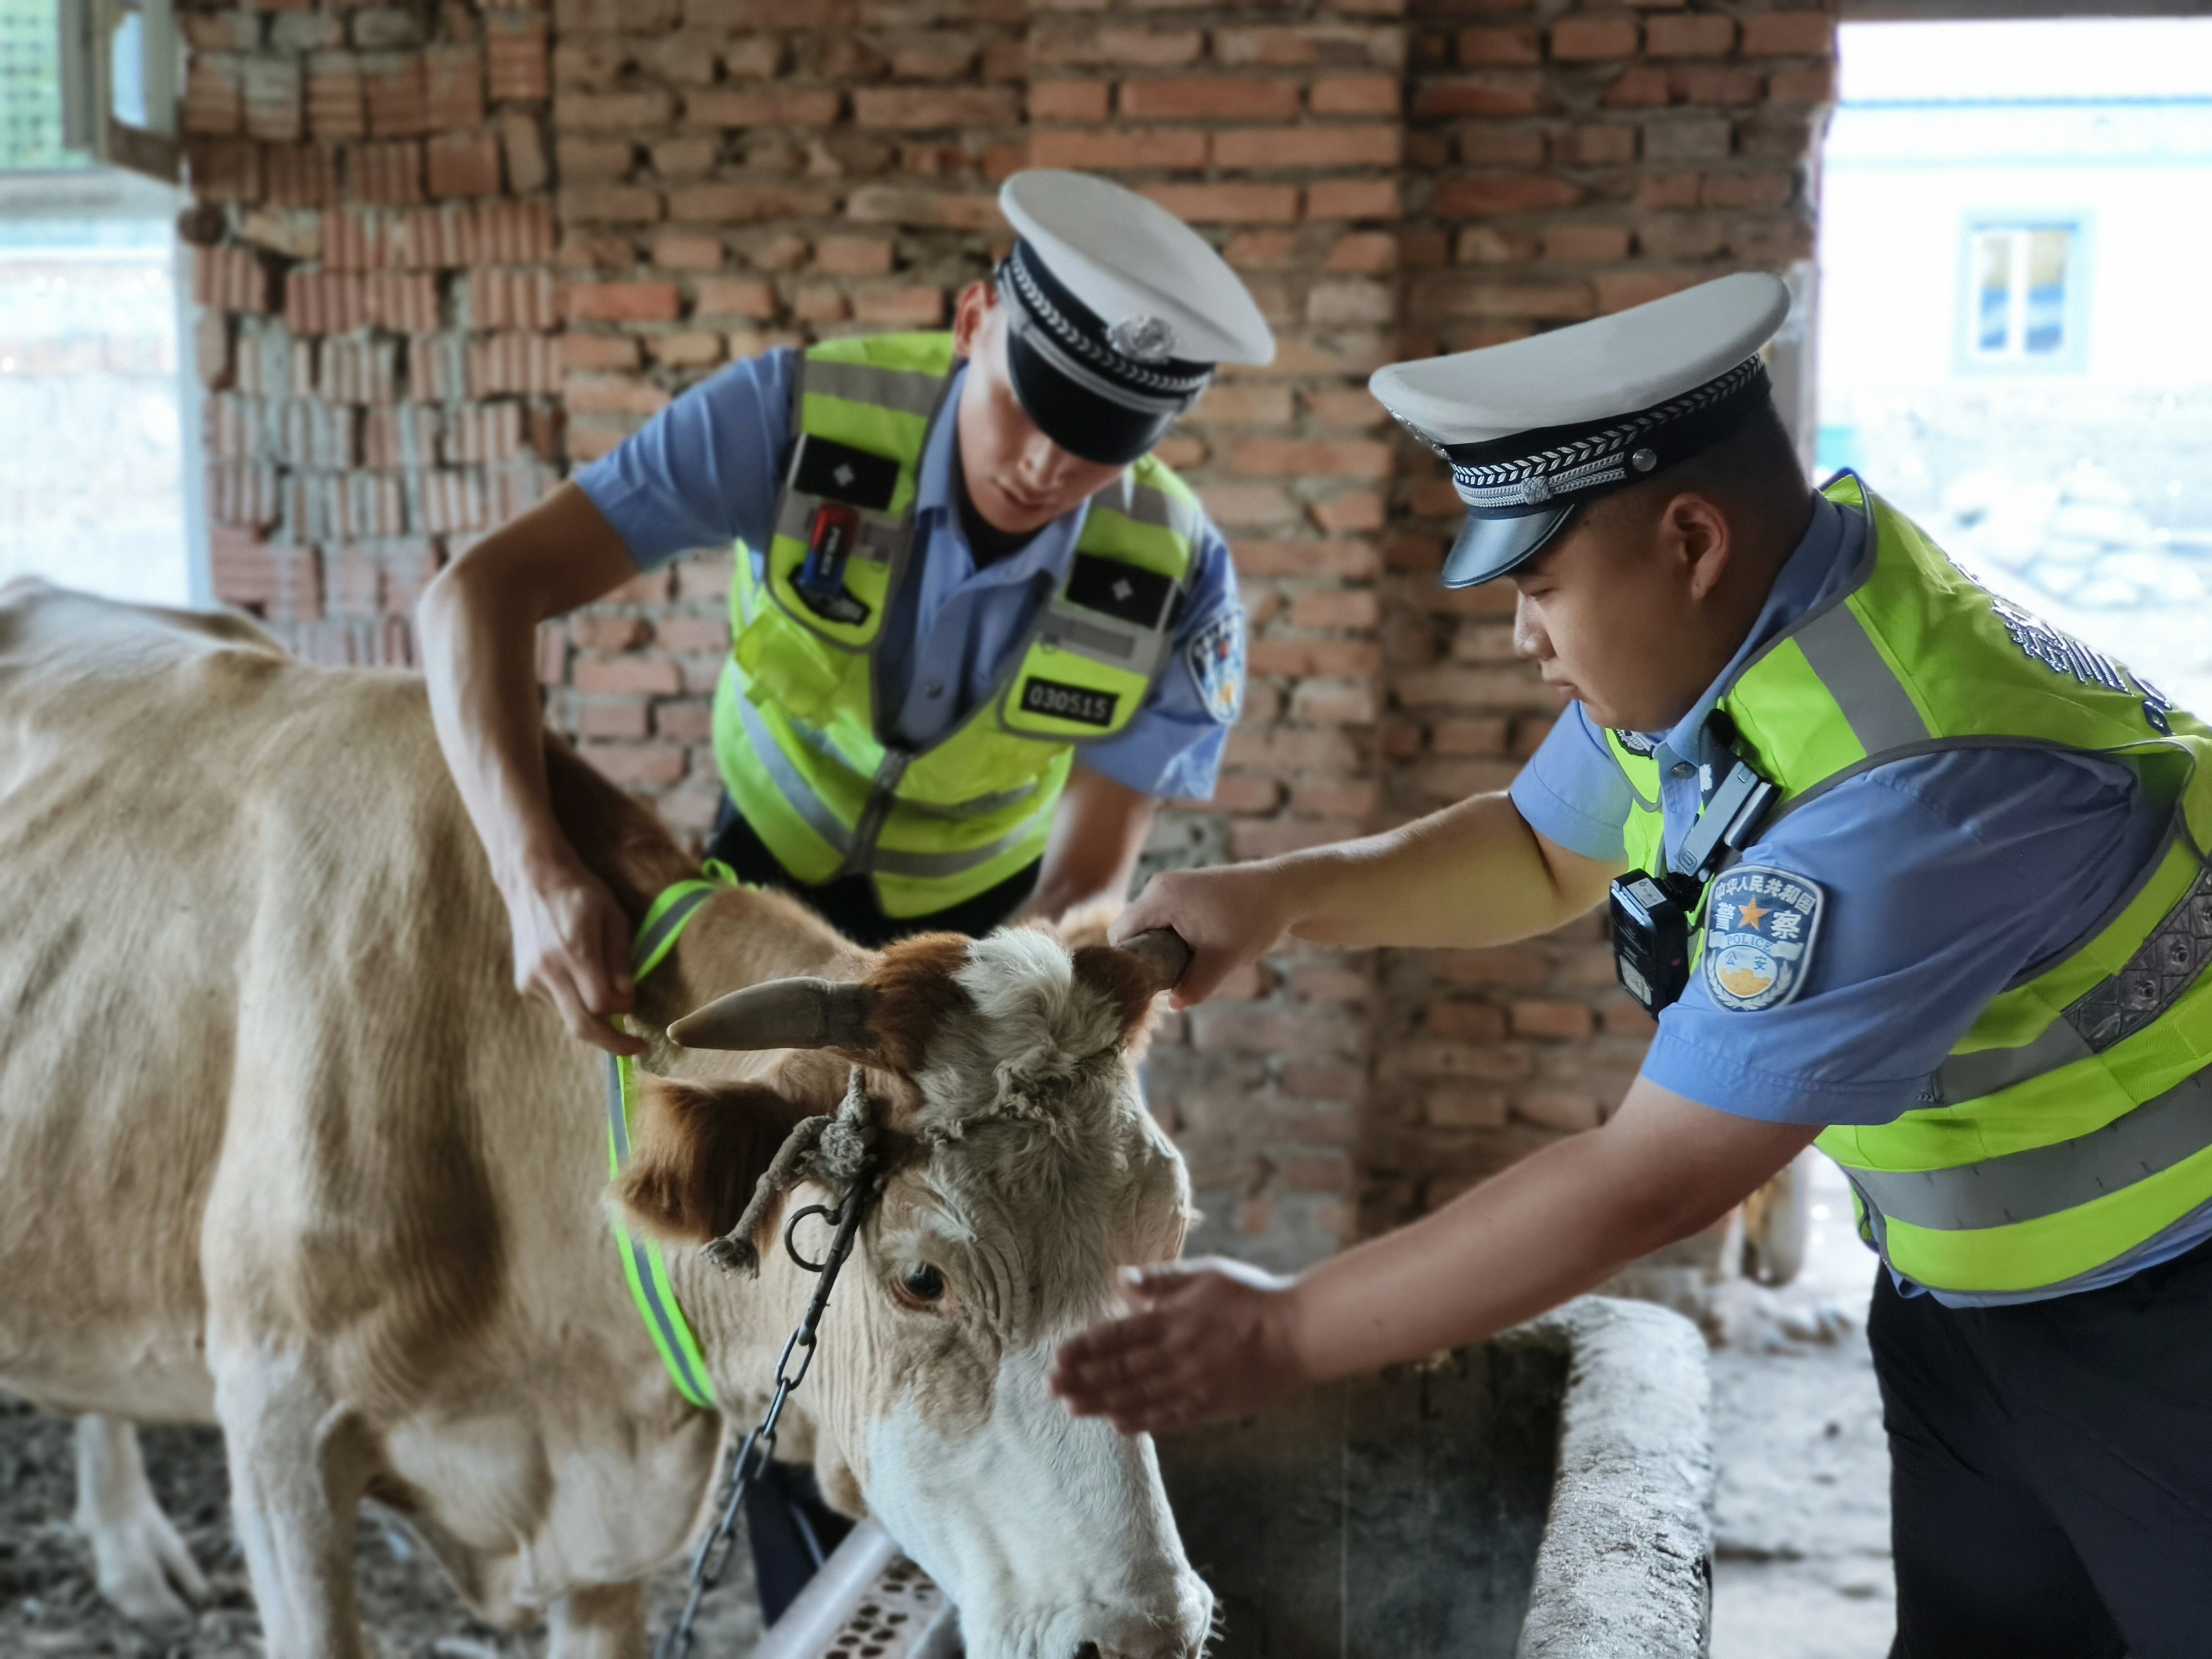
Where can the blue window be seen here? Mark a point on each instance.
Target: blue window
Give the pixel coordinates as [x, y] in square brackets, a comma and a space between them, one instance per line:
[2023, 302]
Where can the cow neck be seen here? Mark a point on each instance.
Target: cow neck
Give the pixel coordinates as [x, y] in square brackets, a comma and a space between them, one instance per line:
[645, 1263]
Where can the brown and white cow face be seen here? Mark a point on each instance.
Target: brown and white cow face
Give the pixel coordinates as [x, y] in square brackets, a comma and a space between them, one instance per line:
[1026, 1171]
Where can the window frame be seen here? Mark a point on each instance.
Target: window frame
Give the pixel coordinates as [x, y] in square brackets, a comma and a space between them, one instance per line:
[2073, 358]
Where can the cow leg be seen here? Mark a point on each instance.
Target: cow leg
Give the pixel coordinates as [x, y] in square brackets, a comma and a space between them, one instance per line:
[300, 1464]
[606, 1621]
[138, 1560]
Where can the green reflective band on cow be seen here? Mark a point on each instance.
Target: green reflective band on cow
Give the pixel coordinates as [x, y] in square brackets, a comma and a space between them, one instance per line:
[645, 1264]
[2073, 1121]
[795, 718]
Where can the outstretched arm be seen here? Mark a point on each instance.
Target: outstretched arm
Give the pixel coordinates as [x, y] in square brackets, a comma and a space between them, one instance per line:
[1472, 874]
[1097, 833]
[479, 623]
[1211, 1340]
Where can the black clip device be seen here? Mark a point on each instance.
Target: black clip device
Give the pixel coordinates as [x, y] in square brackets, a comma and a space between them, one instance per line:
[1652, 912]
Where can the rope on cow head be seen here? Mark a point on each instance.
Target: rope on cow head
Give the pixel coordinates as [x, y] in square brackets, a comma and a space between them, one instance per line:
[836, 1149]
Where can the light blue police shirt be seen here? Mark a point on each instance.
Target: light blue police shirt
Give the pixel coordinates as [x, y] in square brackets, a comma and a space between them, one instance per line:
[706, 471]
[1947, 879]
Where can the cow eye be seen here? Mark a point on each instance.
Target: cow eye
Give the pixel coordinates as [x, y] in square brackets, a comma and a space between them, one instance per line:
[924, 1282]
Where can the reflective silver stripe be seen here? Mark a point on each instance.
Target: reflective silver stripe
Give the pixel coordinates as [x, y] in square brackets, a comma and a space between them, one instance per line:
[2162, 971]
[929, 865]
[672, 923]
[2169, 964]
[880, 538]
[1969, 1076]
[617, 1120]
[672, 1345]
[2045, 1180]
[908, 392]
[982, 806]
[1147, 505]
[1115, 646]
[790, 780]
[1872, 700]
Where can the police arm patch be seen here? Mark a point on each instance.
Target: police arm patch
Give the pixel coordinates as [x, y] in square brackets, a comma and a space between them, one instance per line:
[1216, 663]
[1761, 927]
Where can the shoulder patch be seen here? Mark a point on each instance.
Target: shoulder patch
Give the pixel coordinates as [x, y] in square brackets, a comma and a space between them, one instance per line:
[1216, 663]
[1761, 925]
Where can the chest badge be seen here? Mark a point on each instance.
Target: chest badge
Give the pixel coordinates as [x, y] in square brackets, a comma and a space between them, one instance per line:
[1761, 925]
[1216, 663]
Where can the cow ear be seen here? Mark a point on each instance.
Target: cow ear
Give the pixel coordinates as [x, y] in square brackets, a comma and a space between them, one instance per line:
[1116, 975]
[696, 1153]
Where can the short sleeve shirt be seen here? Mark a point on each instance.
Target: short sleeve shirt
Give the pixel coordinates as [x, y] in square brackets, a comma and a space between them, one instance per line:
[1945, 879]
[707, 471]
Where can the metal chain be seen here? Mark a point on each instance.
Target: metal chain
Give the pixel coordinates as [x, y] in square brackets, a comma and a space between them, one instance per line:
[712, 1563]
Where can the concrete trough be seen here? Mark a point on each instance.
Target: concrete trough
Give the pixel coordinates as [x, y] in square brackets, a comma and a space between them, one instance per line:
[1543, 1496]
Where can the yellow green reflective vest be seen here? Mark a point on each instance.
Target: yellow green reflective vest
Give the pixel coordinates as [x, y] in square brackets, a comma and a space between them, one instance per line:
[797, 723]
[2074, 1119]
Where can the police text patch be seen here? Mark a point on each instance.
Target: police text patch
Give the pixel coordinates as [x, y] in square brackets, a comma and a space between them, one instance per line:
[1069, 703]
[1761, 925]
[1216, 663]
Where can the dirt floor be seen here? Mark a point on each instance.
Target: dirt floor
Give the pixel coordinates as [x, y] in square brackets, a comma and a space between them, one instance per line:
[1801, 1514]
[49, 1610]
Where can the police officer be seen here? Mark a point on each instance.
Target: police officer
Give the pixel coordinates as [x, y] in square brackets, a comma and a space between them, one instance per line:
[1897, 866]
[978, 630]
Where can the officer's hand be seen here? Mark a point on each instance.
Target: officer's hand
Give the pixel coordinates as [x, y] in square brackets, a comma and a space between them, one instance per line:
[1204, 1339]
[1230, 916]
[572, 947]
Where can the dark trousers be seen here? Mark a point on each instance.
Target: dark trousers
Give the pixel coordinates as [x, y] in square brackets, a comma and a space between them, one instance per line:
[848, 902]
[2051, 1475]
[791, 1529]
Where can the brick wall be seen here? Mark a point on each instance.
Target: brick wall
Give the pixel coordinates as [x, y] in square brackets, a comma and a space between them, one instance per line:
[447, 251]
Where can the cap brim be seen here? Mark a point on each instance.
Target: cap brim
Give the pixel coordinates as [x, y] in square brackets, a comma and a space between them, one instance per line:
[1491, 547]
[1079, 421]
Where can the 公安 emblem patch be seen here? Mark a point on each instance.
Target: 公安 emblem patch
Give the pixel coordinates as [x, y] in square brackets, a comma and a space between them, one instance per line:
[1761, 925]
[1216, 663]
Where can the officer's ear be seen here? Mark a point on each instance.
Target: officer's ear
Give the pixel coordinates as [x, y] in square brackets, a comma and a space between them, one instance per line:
[977, 301]
[1695, 531]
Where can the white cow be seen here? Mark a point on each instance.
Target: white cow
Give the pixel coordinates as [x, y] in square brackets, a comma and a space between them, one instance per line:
[286, 1151]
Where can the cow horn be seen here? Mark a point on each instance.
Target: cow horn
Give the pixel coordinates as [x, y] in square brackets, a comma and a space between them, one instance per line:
[1163, 955]
[784, 1013]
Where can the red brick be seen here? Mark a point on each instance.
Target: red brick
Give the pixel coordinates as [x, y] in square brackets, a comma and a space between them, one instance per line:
[736, 296]
[901, 307]
[1228, 204]
[1373, 253]
[1211, 97]
[1110, 149]
[745, 204]
[893, 205]
[636, 764]
[1485, 47]
[648, 676]
[611, 111]
[1797, 86]
[1640, 88]
[764, 107]
[624, 302]
[272, 88]
[1668, 190]
[593, 633]
[215, 95]
[685, 722]
[1594, 244]
[1747, 189]
[1134, 48]
[1070, 100]
[1552, 1019]
[676, 252]
[1721, 84]
[1689, 34]
[908, 109]
[1299, 45]
[453, 87]
[1336, 608]
[336, 104]
[598, 351]
[687, 350]
[1348, 512]
[1288, 458]
[224, 169]
[610, 204]
[853, 256]
[1588, 39]
[1480, 96]
[516, 64]
[458, 164]
[1789, 34]
[1353, 198]
[1493, 145]
[1356, 94]
[1306, 146]
[1457, 198]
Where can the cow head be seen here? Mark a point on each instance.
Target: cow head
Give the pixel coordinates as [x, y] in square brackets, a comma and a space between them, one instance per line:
[1023, 1171]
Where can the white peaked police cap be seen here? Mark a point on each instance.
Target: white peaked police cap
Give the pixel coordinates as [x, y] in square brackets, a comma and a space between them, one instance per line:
[1534, 427]
[1119, 313]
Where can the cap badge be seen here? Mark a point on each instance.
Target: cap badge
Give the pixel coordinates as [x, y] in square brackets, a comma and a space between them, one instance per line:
[1147, 339]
